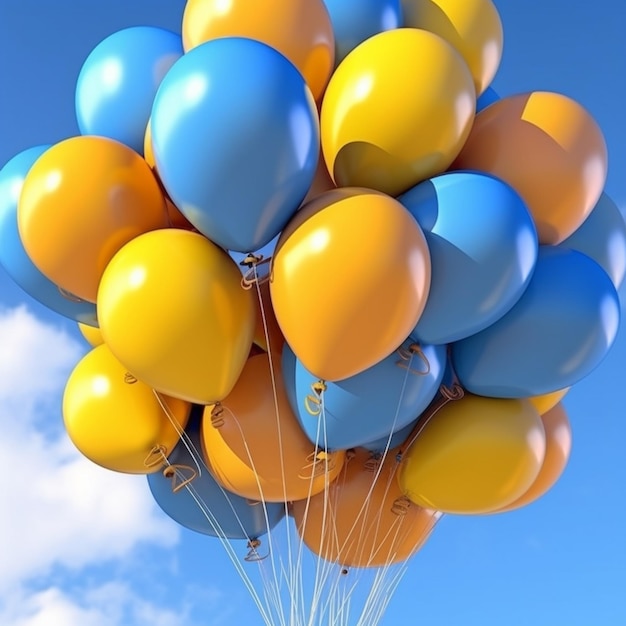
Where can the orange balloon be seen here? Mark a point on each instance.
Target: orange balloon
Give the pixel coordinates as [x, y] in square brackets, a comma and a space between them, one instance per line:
[349, 280]
[362, 519]
[299, 29]
[254, 445]
[558, 448]
[267, 333]
[321, 181]
[84, 198]
[546, 401]
[549, 149]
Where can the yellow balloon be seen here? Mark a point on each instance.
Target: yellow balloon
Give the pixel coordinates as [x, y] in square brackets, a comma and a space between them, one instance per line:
[118, 421]
[172, 309]
[547, 401]
[473, 27]
[299, 29]
[397, 110]
[558, 448]
[475, 455]
[92, 335]
[349, 280]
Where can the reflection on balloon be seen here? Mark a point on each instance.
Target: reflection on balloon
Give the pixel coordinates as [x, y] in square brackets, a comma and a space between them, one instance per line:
[475, 455]
[118, 421]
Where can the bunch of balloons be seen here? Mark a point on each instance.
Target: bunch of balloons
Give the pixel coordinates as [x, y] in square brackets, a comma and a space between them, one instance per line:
[323, 266]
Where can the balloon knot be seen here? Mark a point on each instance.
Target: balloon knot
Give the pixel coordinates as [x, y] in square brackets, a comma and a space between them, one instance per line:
[373, 463]
[180, 475]
[401, 506]
[251, 276]
[129, 378]
[217, 416]
[313, 402]
[156, 456]
[406, 357]
[253, 551]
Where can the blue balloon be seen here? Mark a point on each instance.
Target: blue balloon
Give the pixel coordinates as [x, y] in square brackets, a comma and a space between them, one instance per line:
[390, 442]
[235, 135]
[119, 79]
[366, 407]
[557, 333]
[228, 515]
[483, 247]
[354, 21]
[13, 256]
[487, 97]
[602, 236]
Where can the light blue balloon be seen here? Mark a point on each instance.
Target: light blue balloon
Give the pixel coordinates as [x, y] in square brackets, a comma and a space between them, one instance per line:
[602, 236]
[483, 248]
[119, 79]
[486, 98]
[354, 21]
[366, 407]
[557, 333]
[388, 443]
[235, 134]
[229, 515]
[13, 256]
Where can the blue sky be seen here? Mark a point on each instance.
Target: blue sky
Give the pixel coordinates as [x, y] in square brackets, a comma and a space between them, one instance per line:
[80, 546]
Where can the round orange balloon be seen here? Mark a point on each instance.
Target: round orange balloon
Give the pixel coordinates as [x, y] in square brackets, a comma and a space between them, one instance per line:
[349, 280]
[546, 401]
[397, 110]
[549, 149]
[254, 445]
[84, 198]
[299, 29]
[473, 27]
[362, 519]
[558, 448]
[321, 181]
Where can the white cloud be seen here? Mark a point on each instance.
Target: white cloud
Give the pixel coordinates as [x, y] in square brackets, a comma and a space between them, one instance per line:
[56, 507]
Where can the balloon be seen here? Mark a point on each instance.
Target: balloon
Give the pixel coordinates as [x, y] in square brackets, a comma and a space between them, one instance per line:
[556, 334]
[299, 29]
[549, 149]
[483, 248]
[543, 403]
[558, 448]
[119, 79]
[172, 309]
[254, 446]
[349, 280]
[602, 236]
[475, 455]
[91, 334]
[235, 135]
[489, 96]
[14, 258]
[72, 219]
[267, 333]
[370, 405]
[354, 21]
[118, 421]
[473, 27]
[362, 519]
[321, 181]
[392, 440]
[396, 111]
[202, 505]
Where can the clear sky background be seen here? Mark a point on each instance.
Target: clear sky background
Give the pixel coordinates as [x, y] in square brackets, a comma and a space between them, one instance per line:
[80, 546]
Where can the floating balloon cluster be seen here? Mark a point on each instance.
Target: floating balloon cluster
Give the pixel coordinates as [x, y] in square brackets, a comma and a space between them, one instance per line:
[419, 284]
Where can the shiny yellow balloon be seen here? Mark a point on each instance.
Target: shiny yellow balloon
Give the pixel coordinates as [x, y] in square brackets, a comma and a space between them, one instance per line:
[473, 27]
[92, 335]
[397, 110]
[474, 456]
[117, 421]
[299, 29]
[547, 401]
[84, 198]
[558, 448]
[549, 149]
[172, 309]
[349, 280]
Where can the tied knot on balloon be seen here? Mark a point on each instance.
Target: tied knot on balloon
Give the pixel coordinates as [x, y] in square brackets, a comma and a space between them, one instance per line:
[251, 502]
[130, 379]
[401, 506]
[318, 463]
[180, 475]
[68, 295]
[217, 416]
[373, 463]
[156, 457]
[452, 392]
[313, 401]
[350, 454]
[254, 555]
[406, 359]
[251, 277]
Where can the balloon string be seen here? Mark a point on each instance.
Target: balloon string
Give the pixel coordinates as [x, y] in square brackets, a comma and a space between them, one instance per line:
[175, 472]
[313, 402]
[406, 355]
[251, 276]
